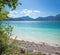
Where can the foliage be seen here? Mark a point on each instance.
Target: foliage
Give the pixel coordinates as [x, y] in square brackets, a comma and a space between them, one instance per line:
[3, 15]
[10, 3]
[5, 30]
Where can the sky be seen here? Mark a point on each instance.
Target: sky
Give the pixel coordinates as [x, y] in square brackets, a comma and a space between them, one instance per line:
[36, 8]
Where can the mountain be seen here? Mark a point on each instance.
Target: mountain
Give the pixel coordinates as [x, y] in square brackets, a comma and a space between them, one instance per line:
[49, 18]
[45, 18]
[27, 18]
[57, 17]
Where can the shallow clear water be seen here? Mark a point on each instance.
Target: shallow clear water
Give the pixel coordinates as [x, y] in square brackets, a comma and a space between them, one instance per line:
[44, 31]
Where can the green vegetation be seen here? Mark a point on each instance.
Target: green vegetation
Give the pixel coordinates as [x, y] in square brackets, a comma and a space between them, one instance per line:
[5, 30]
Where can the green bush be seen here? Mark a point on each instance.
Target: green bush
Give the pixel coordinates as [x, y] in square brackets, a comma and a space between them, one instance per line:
[5, 31]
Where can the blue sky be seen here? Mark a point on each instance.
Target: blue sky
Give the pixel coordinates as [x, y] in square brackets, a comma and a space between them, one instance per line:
[36, 8]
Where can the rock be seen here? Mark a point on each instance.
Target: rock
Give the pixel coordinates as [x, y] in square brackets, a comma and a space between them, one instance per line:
[22, 51]
[57, 53]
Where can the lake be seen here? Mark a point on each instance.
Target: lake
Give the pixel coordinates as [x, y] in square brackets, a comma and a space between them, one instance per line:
[37, 31]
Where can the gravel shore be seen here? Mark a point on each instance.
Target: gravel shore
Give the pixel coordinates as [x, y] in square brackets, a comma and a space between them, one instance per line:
[33, 47]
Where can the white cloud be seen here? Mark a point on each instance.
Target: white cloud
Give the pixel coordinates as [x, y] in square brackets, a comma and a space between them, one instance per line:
[25, 12]
[14, 14]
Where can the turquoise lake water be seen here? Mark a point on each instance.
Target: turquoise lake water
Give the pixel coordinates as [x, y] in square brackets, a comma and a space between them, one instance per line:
[44, 31]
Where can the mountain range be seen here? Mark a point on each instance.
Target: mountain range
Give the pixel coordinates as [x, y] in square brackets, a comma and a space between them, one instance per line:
[27, 18]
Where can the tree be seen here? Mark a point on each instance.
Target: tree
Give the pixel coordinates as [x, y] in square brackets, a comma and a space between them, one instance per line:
[5, 31]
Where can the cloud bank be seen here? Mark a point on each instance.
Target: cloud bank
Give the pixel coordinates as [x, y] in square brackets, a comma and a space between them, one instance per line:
[25, 12]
